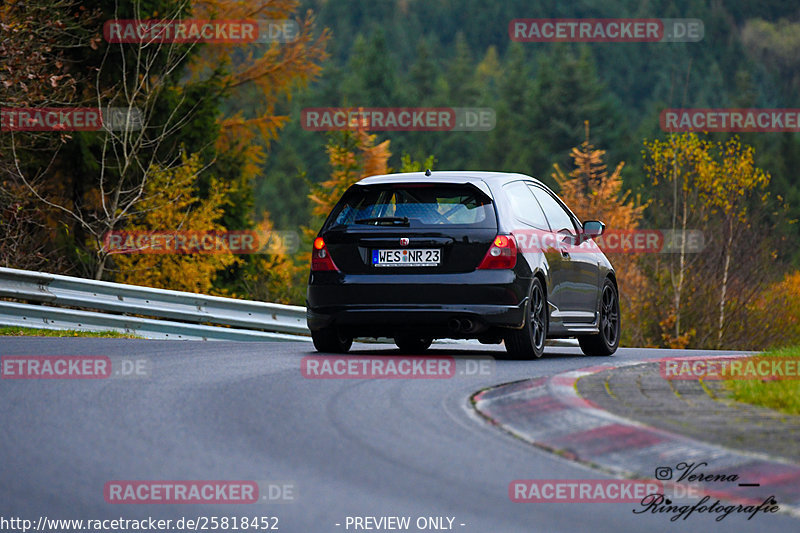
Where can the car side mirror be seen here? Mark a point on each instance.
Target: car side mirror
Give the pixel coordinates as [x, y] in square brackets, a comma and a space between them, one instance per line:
[592, 228]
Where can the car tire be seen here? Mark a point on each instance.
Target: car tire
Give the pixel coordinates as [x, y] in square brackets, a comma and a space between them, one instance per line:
[330, 340]
[606, 341]
[528, 342]
[411, 345]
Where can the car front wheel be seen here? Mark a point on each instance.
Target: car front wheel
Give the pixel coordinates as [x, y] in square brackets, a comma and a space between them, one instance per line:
[606, 341]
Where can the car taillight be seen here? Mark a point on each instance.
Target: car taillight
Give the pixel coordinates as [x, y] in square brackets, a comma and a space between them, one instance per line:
[320, 257]
[501, 254]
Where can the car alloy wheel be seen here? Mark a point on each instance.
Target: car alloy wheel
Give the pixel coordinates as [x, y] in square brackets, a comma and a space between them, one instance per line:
[528, 342]
[606, 341]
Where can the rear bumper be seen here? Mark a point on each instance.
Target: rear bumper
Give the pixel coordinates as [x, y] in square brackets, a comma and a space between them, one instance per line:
[438, 305]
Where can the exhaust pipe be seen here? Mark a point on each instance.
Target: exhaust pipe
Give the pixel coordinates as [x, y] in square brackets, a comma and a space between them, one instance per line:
[461, 325]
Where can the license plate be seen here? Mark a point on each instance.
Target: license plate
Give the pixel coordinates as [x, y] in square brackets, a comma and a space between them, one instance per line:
[405, 258]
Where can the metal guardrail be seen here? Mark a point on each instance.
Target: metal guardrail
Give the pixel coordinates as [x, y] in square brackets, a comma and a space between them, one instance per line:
[177, 315]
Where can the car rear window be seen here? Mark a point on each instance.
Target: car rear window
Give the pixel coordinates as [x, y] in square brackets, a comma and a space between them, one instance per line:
[421, 205]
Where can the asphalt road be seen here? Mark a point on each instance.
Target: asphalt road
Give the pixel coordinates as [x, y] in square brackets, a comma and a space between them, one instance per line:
[244, 411]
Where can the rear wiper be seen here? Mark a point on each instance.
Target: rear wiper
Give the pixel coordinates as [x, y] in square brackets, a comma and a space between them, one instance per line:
[390, 220]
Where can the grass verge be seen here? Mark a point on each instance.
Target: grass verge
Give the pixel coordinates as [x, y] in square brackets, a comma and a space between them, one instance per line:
[14, 331]
[781, 395]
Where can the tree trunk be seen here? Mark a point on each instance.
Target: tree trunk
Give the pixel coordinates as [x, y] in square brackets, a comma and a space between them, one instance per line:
[724, 289]
[681, 275]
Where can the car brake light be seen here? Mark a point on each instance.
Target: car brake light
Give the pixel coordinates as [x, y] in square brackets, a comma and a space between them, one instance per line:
[320, 257]
[501, 254]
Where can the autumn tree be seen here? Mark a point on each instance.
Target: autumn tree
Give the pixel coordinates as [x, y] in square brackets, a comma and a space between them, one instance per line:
[266, 73]
[94, 182]
[593, 194]
[263, 75]
[352, 154]
[671, 166]
[170, 202]
[726, 183]
[776, 314]
[715, 188]
[274, 276]
[36, 71]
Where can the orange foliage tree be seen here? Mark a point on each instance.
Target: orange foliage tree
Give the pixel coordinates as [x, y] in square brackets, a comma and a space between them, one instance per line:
[352, 155]
[274, 276]
[593, 194]
[264, 73]
[171, 201]
[777, 313]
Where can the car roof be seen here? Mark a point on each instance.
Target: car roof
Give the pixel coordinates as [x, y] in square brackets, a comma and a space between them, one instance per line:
[475, 177]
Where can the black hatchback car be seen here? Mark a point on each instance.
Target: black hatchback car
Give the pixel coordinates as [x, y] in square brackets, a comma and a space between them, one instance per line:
[491, 256]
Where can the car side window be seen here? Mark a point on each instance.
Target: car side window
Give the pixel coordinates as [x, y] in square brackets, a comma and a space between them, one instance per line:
[525, 206]
[558, 218]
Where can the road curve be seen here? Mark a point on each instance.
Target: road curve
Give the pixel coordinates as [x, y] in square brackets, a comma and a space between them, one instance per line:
[243, 411]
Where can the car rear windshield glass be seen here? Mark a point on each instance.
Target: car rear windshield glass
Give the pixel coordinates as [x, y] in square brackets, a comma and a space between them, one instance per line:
[421, 205]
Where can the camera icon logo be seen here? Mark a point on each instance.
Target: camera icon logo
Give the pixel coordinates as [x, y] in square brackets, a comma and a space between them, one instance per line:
[663, 473]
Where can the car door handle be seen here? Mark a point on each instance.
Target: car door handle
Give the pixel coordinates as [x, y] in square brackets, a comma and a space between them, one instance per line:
[564, 242]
